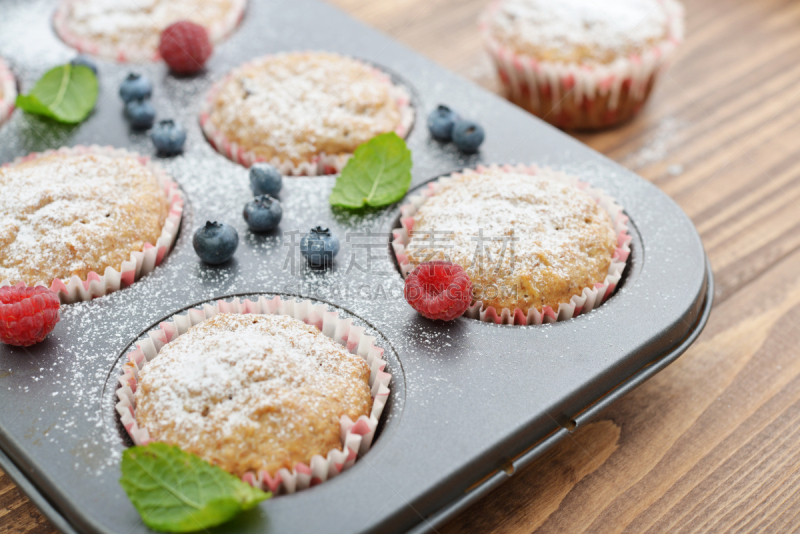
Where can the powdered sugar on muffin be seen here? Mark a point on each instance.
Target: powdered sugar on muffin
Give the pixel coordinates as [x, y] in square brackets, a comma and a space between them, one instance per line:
[524, 240]
[65, 214]
[298, 108]
[252, 392]
[130, 30]
[580, 30]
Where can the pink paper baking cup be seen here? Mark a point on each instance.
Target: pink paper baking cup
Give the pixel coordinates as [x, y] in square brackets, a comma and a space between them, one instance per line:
[8, 91]
[589, 299]
[141, 262]
[322, 164]
[526, 75]
[356, 435]
[121, 52]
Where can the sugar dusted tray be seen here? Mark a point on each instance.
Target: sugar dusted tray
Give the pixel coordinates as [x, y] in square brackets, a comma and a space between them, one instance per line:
[471, 402]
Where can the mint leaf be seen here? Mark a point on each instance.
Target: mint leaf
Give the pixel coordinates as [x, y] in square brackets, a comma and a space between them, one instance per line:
[378, 174]
[175, 491]
[67, 94]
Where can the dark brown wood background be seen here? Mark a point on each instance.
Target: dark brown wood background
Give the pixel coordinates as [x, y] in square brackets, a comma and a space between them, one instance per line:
[712, 443]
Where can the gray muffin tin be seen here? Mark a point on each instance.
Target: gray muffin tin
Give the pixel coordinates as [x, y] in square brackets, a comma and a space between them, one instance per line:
[471, 402]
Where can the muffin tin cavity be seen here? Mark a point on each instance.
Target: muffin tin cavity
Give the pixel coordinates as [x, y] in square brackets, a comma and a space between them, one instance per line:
[387, 381]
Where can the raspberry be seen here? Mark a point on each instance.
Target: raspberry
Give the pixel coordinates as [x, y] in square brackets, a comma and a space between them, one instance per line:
[185, 47]
[439, 290]
[27, 314]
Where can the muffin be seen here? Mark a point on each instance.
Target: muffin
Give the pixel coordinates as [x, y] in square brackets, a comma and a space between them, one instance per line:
[8, 91]
[80, 212]
[304, 112]
[537, 244]
[130, 30]
[252, 393]
[581, 64]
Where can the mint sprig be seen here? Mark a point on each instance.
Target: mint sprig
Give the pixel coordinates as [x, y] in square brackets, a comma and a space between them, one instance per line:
[67, 94]
[175, 491]
[378, 174]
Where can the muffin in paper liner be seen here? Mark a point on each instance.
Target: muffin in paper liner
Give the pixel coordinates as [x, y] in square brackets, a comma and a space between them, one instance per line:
[356, 435]
[141, 262]
[8, 91]
[586, 301]
[579, 96]
[125, 52]
[321, 164]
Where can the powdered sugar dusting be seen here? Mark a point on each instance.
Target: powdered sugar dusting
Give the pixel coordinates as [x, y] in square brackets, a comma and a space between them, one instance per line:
[580, 29]
[235, 382]
[536, 235]
[64, 215]
[136, 25]
[301, 105]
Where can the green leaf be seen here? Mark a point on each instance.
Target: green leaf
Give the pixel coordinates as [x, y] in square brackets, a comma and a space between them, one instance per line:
[175, 491]
[67, 94]
[378, 174]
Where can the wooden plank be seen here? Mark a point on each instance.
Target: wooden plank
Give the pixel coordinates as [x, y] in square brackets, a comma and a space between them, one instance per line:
[17, 514]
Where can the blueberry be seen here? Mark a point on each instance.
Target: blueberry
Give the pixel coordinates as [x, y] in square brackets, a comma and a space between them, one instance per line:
[135, 86]
[141, 113]
[265, 179]
[319, 247]
[441, 121]
[215, 242]
[263, 213]
[86, 62]
[168, 137]
[467, 136]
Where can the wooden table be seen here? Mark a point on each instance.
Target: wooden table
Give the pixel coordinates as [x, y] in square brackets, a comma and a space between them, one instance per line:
[711, 443]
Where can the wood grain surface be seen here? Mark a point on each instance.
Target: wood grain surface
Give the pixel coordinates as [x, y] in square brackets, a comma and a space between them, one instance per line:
[711, 443]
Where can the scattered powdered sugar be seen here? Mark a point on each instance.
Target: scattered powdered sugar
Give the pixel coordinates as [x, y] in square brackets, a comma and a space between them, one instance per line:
[658, 145]
[599, 29]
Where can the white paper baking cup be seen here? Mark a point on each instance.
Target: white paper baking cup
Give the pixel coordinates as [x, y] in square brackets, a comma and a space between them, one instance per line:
[527, 76]
[8, 91]
[322, 163]
[589, 299]
[141, 262]
[124, 52]
[356, 435]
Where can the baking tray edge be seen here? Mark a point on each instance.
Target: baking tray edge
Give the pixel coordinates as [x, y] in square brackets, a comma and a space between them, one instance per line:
[485, 486]
[32, 492]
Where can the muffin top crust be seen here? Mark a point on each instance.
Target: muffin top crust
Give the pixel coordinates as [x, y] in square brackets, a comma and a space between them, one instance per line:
[252, 392]
[582, 31]
[135, 25]
[69, 214]
[297, 106]
[524, 240]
